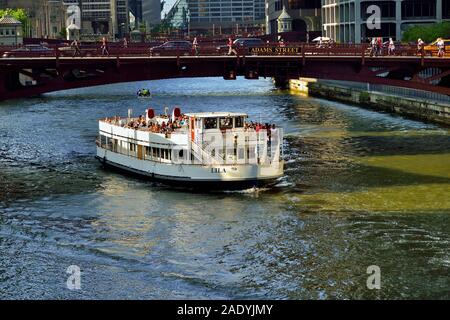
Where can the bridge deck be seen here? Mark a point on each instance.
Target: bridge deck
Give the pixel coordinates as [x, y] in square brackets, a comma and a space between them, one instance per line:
[58, 73]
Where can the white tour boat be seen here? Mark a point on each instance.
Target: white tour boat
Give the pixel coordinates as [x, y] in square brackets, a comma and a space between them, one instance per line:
[212, 149]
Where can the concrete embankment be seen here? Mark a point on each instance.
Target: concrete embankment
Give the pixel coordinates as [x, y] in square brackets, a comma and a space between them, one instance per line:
[421, 109]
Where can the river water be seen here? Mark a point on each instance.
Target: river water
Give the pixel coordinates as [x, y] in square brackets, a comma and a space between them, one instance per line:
[361, 188]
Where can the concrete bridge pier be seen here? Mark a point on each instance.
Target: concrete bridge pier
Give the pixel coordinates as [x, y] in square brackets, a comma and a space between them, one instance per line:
[281, 82]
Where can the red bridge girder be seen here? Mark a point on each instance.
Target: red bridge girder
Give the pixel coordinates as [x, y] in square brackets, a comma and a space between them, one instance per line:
[55, 73]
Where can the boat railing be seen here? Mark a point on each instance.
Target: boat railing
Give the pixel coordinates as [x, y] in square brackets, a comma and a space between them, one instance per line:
[247, 147]
[202, 155]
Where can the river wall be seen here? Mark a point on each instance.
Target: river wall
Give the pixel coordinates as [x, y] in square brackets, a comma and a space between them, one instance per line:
[414, 108]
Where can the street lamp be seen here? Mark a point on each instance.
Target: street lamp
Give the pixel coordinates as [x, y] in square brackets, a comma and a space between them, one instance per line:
[188, 18]
[122, 30]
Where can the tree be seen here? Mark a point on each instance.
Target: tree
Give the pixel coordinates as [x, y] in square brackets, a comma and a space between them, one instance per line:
[427, 33]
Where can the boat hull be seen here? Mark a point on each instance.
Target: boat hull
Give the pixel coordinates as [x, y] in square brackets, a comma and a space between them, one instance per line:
[189, 176]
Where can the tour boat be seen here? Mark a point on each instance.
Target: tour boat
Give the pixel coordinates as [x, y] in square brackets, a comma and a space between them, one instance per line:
[215, 150]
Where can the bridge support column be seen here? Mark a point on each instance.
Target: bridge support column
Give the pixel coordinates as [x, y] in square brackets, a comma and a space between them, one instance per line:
[301, 85]
[358, 23]
[439, 10]
[281, 82]
[398, 20]
[2, 85]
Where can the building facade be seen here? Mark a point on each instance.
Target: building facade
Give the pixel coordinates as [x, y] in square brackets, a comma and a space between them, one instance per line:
[151, 12]
[224, 16]
[352, 21]
[305, 14]
[47, 17]
[105, 17]
[10, 31]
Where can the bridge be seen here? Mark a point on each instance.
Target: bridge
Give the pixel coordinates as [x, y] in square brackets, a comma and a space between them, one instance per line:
[31, 75]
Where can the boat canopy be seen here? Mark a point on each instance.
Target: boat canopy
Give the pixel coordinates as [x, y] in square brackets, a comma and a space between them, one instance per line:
[200, 115]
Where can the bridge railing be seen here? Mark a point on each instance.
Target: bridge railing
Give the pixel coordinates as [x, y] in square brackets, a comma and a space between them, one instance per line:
[213, 49]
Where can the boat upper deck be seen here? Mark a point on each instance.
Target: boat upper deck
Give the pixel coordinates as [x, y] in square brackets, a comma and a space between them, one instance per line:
[200, 115]
[166, 125]
[161, 124]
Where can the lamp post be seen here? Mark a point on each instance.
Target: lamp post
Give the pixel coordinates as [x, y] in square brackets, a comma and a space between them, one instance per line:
[188, 18]
[122, 30]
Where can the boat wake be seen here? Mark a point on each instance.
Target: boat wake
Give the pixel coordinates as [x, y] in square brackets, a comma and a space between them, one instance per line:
[253, 190]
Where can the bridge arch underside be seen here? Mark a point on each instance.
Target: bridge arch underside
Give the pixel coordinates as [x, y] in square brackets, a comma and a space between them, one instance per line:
[19, 79]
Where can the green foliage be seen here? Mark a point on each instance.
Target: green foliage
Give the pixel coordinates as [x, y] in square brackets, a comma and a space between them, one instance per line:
[19, 14]
[162, 28]
[63, 33]
[364, 97]
[427, 33]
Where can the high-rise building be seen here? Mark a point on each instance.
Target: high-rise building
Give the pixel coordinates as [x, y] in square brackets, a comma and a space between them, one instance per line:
[135, 7]
[146, 12]
[151, 12]
[102, 16]
[105, 17]
[305, 15]
[347, 21]
[224, 15]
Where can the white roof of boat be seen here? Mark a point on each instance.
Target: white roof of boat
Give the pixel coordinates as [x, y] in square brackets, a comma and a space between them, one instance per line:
[215, 114]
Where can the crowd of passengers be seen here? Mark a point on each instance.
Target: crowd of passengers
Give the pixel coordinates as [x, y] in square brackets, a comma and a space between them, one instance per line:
[153, 126]
[259, 126]
[170, 125]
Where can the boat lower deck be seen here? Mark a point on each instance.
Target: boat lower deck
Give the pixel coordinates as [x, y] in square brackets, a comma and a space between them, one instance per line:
[189, 183]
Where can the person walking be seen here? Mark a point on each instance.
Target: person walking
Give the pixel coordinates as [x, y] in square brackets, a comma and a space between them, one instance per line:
[195, 46]
[373, 46]
[380, 46]
[76, 48]
[231, 48]
[441, 47]
[420, 47]
[391, 47]
[125, 43]
[104, 47]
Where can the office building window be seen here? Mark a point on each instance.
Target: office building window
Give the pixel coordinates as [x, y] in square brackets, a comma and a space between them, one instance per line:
[419, 9]
[387, 9]
[446, 9]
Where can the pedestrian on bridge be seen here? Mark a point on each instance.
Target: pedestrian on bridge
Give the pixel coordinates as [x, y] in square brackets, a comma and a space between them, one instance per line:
[104, 47]
[391, 47]
[195, 46]
[76, 48]
[380, 46]
[231, 48]
[420, 47]
[441, 47]
[373, 47]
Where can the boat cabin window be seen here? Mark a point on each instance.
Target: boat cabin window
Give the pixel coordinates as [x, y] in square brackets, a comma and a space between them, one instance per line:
[226, 123]
[239, 122]
[103, 141]
[210, 123]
